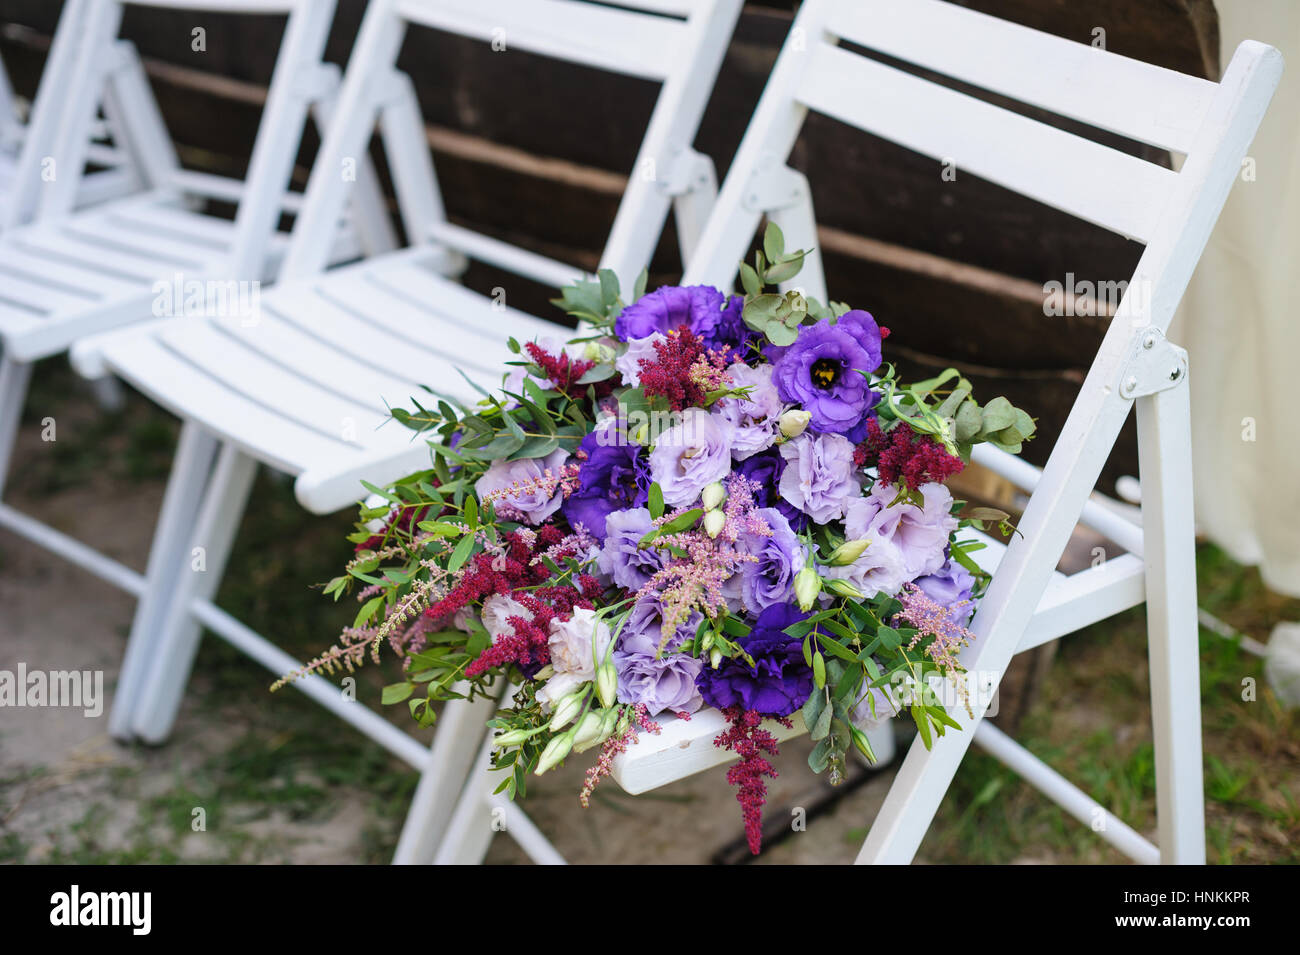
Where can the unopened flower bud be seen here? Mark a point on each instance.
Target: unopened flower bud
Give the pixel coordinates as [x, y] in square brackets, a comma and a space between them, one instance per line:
[587, 733]
[793, 423]
[807, 585]
[597, 352]
[715, 657]
[568, 708]
[607, 684]
[848, 552]
[511, 738]
[713, 495]
[844, 589]
[544, 674]
[642, 435]
[714, 522]
[555, 751]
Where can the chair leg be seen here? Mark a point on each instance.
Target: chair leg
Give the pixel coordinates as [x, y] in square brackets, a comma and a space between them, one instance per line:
[177, 639]
[1165, 458]
[443, 778]
[480, 815]
[14, 377]
[167, 556]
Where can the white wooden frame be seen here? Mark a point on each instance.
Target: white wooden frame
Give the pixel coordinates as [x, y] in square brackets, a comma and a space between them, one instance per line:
[27, 145]
[199, 507]
[1028, 603]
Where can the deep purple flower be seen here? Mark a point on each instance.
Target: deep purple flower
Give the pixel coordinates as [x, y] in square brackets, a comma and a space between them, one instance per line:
[699, 307]
[765, 470]
[614, 476]
[660, 681]
[778, 683]
[820, 371]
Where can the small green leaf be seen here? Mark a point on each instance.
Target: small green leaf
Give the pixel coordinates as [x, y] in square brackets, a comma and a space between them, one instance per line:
[461, 553]
[656, 502]
[397, 692]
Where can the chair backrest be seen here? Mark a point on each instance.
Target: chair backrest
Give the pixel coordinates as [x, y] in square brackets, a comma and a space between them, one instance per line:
[679, 43]
[289, 96]
[1211, 124]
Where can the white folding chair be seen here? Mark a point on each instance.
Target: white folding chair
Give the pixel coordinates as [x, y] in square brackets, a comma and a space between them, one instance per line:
[71, 273]
[25, 148]
[1028, 603]
[301, 389]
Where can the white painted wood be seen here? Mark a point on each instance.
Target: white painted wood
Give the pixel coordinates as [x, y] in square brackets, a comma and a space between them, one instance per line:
[1165, 459]
[1144, 102]
[1173, 212]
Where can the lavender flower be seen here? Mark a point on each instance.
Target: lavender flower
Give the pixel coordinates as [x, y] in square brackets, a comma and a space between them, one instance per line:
[770, 579]
[952, 586]
[629, 363]
[659, 680]
[920, 533]
[527, 490]
[688, 456]
[620, 559]
[819, 477]
[751, 422]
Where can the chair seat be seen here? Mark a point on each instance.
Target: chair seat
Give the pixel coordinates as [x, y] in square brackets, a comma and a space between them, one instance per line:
[685, 747]
[118, 263]
[306, 387]
[98, 269]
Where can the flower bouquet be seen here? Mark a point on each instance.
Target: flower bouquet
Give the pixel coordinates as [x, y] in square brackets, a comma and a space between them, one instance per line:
[702, 500]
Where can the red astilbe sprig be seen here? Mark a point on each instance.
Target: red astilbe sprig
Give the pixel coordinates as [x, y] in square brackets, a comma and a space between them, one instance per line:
[565, 371]
[683, 371]
[748, 740]
[903, 454]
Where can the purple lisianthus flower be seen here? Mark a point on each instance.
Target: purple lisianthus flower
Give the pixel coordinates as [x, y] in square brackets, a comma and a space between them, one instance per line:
[920, 533]
[778, 683]
[699, 307]
[751, 422]
[764, 470]
[820, 371]
[951, 586]
[620, 559]
[770, 579]
[614, 476]
[532, 497]
[820, 477]
[692, 453]
[628, 364]
[660, 681]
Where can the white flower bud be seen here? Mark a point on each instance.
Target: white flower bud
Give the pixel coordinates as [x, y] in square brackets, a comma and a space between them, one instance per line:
[714, 522]
[587, 732]
[555, 751]
[713, 495]
[607, 684]
[511, 738]
[715, 657]
[848, 552]
[844, 589]
[807, 585]
[794, 422]
[568, 708]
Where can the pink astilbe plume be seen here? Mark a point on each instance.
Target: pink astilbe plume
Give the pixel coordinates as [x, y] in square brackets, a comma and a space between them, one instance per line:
[935, 620]
[618, 743]
[563, 479]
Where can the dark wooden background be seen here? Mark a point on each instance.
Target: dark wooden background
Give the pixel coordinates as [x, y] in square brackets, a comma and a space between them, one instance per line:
[537, 151]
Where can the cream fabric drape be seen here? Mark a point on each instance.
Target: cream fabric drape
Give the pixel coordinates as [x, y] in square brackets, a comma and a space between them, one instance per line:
[1240, 322]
